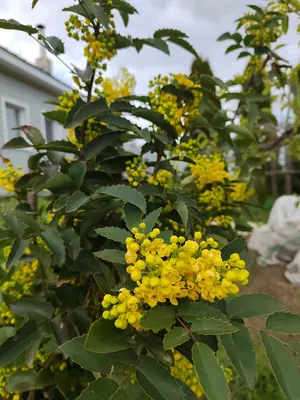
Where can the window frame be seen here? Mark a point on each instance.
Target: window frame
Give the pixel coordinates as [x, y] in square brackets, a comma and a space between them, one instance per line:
[24, 116]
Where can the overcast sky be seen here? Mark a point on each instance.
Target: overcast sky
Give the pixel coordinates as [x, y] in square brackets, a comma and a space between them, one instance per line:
[202, 20]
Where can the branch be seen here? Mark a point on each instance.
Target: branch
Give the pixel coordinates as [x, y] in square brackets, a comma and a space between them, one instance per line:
[186, 328]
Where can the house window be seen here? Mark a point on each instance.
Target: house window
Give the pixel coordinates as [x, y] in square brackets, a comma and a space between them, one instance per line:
[14, 117]
[49, 130]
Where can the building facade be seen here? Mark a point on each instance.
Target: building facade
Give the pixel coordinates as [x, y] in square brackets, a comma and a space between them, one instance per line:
[24, 90]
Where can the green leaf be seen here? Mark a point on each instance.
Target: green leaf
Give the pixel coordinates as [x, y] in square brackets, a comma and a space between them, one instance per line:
[83, 111]
[6, 332]
[15, 25]
[15, 224]
[156, 119]
[33, 134]
[240, 131]
[18, 248]
[183, 212]
[244, 54]
[256, 8]
[54, 45]
[158, 318]
[232, 48]
[184, 44]
[119, 122]
[60, 145]
[60, 203]
[156, 381]
[103, 337]
[175, 337]
[209, 372]
[167, 33]
[224, 36]
[112, 255]
[124, 6]
[212, 326]
[77, 172]
[236, 246]
[85, 263]
[284, 366]
[239, 347]
[32, 309]
[27, 220]
[133, 216]
[212, 81]
[113, 233]
[125, 193]
[55, 243]
[17, 344]
[294, 346]
[103, 389]
[252, 305]
[151, 219]
[16, 143]
[72, 242]
[100, 143]
[23, 381]
[191, 311]
[76, 201]
[283, 322]
[97, 11]
[159, 44]
[56, 115]
[119, 360]
[34, 3]
[32, 351]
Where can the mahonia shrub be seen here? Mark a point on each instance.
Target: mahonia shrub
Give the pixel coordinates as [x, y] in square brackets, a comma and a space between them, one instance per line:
[121, 271]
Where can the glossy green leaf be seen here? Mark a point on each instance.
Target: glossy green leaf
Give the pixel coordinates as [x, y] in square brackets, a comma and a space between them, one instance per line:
[6, 332]
[15, 345]
[156, 381]
[56, 115]
[15, 25]
[16, 143]
[112, 255]
[60, 203]
[212, 326]
[133, 216]
[209, 371]
[32, 309]
[24, 381]
[183, 212]
[212, 81]
[156, 119]
[83, 111]
[77, 200]
[151, 220]
[284, 366]
[158, 318]
[18, 248]
[60, 145]
[184, 44]
[167, 33]
[103, 338]
[113, 233]
[103, 363]
[239, 347]
[283, 322]
[34, 3]
[100, 143]
[14, 223]
[236, 246]
[125, 193]
[103, 389]
[191, 311]
[252, 305]
[55, 243]
[54, 45]
[119, 122]
[77, 172]
[72, 242]
[224, 36]
[176, 337]
[33, 134]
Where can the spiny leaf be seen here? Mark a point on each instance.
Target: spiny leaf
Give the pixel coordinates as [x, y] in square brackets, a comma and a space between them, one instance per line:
[236, 246]
[112, 255]
[209, 372]
[18, 248]
[167, 33]
[54, 45]
[224, 36]
[213, 326]
[15, 25]
[16, 143]
[76, 201]
[175, 337]
[158, 318]
[60, 145]
[283, 322]
[114, 233]
[151, 219]
[184, 44]
[103, 389]
[133, 216]
[100, 143]
[125, 193]
[55, 243]
[32, 309]
[252, 305]
[56, 115]
[83, 111]
[33, 134]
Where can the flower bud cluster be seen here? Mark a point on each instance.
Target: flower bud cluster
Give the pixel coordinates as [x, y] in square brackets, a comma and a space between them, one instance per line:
[136, 171]
[9, 177]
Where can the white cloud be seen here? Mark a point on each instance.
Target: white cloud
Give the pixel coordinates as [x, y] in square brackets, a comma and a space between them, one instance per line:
[202, 20]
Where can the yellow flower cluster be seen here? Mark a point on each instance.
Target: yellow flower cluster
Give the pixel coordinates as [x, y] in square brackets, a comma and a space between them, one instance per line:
[177, 111]
[9, 176]
[224, 221]
[19, 285]
[184, 370]
[239, 192]
[213, 198]
[119, 86]
[191, 148]
[209, 169]
[254, 66]
[163, 178]
[98, 48]
[168, 272]
[136, 171]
